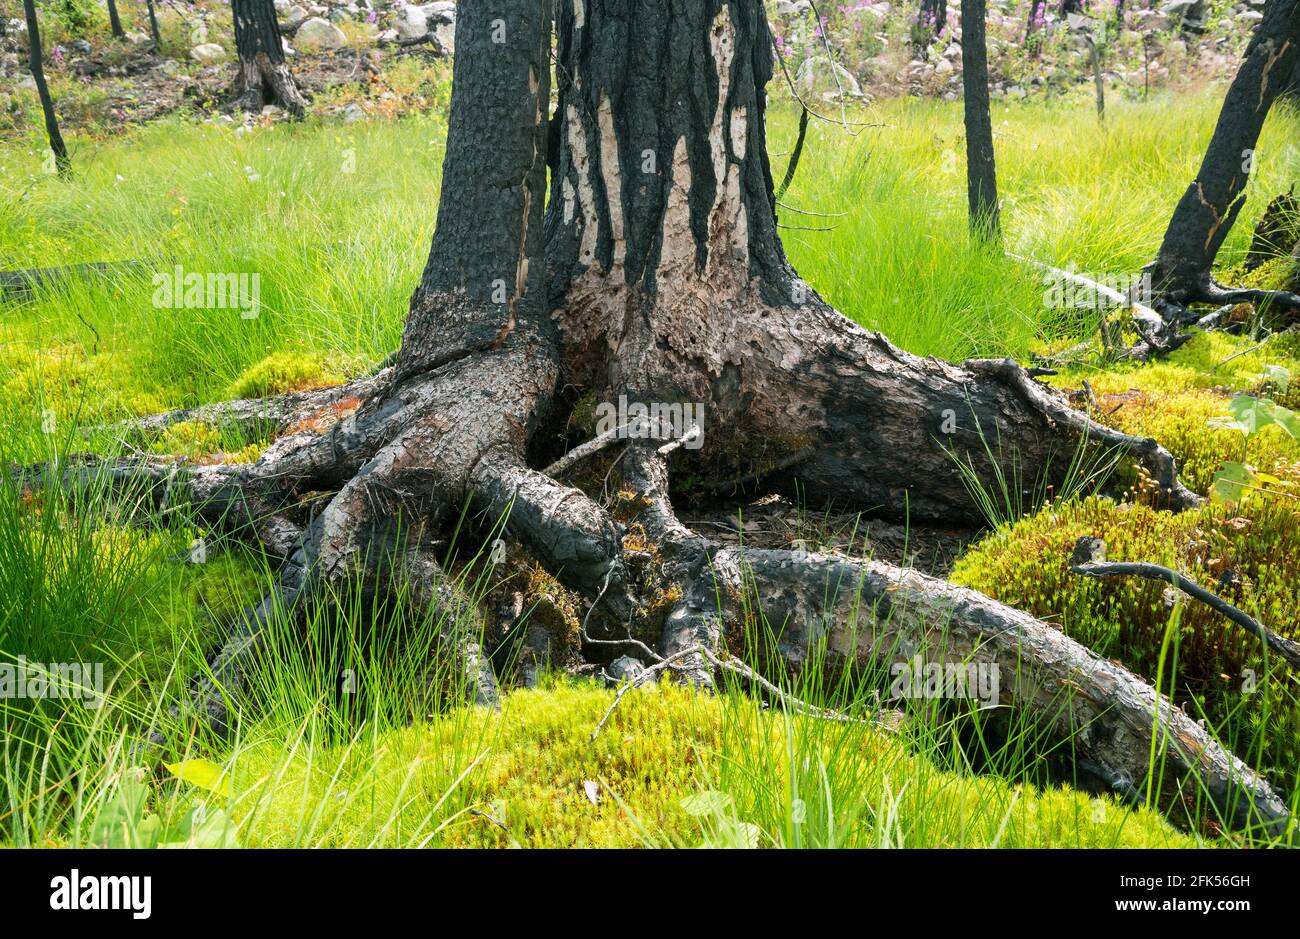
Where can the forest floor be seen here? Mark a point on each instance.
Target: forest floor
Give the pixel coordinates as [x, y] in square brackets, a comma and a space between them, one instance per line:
[335, 221]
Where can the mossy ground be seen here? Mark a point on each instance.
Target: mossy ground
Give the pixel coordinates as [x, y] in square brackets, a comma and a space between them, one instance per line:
[338, 253]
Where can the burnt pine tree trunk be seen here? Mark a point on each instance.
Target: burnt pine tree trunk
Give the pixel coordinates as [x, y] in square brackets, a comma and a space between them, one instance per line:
[1182, 270]
[932, 17]
[57, 146]
[264, 77]
[154, 33]
[653, 280]
[981, 170]
[114, 22]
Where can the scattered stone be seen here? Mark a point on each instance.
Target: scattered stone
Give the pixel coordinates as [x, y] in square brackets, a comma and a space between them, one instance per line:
[624, 668]
[411, 24]
[443, 12]
[208, 53]
[320, 34]
[294, 17]
[353, 113]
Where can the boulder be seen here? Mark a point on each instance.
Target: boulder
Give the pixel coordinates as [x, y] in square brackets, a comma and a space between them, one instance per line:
[208, 53]
[411, 24]
[320, 34]
[294, 17]
[442, 12]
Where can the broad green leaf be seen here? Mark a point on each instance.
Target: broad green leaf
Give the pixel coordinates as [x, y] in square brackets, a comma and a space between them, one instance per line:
[122, 821]
[709, 802]
[1278, 375]
[1230, 480]
[202, 827]
[1251, 413]
[202, 773]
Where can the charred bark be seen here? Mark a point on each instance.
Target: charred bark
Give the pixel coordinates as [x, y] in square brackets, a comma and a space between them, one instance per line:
[154, 33]
[981, 171]
[264, 76]
[1182, 271]
[60, 150]
[114, 21]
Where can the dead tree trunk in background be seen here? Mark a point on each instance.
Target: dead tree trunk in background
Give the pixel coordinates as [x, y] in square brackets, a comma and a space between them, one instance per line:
[264, 76]
[154, 34]
[931, 19]
[1037, 16]
[1182, 272]
[60, 150]
[981, 169]
[656, 279]
[114, 22]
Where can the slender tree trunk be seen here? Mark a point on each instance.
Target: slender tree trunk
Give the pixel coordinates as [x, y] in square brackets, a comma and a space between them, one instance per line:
[1037, 14]
[154, 34]
[981, 170]
[932, 17]
[60, 150]
[264, 76]
[1182, 271]
[114, 22]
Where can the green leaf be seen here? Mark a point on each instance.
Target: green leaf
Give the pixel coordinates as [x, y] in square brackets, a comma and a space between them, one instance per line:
[709, 802]
[122, 821]
[1230, 480]
[202, 827]
[1278, 375]
[201, 773]
[1252, 413]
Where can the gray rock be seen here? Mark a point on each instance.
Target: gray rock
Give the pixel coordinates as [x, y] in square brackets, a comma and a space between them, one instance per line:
[320, 34]
[445, 33]
[411, 24]
[294, 17]
[792, 7]
[353, 113]
[282, 6]
[208, 53]
[442, 12]
[1249, 16]
[625, 668]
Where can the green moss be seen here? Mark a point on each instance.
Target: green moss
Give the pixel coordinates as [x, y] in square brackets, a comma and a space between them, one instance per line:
[74, 387]
[282, 372]
[530, 767]
[1176, 399]
[1252, 559]
[196, 440]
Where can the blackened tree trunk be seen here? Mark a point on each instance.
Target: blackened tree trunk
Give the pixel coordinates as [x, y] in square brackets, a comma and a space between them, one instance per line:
[656, 278]
[154, 33]
[1182, 271]
[114, 22]
[60, 150]
[932, 17]
[981, 170]
[1037, 16]
[264, 77]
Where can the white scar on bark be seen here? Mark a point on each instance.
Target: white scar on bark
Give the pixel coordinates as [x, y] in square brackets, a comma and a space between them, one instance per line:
[579, 15]
[586, 198]
[611, 172]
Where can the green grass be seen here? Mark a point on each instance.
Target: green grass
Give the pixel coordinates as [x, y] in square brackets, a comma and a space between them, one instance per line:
[88, 576]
